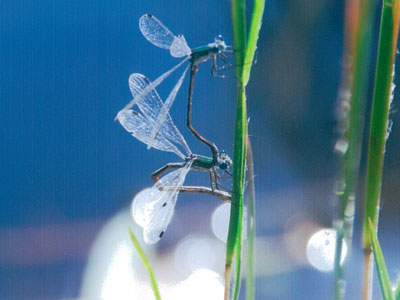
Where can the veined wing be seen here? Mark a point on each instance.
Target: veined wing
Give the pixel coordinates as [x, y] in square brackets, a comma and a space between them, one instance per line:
[179, 47]
[153, 208]
[153, 108]
[164, 116]
[159, 35]
[141, 128]
[140, 96]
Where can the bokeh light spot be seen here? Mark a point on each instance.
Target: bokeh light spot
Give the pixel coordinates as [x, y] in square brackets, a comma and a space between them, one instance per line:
[220, 222]
[321, 249]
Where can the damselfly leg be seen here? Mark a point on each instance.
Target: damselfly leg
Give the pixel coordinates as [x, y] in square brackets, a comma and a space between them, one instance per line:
[214, 189]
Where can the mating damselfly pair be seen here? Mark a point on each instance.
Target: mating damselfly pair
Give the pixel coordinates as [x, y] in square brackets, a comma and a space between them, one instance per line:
[152, 124]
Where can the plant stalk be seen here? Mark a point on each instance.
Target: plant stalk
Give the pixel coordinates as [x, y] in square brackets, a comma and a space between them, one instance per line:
[251, 224]
[382, 98]
[146, 262]
[352, 101]
[244, 55]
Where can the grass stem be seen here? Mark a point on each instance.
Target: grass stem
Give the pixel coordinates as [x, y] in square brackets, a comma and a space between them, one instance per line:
[389, 28]
[146, 262]
[251, 224]
[352, 102]
[383, 275]
[245, 50]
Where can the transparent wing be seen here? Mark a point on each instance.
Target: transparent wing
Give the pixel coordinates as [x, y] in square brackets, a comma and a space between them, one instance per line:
[153, 208]
[141, 128]
[152, 107]
[163, 118]
[159, 35]
[179, 47]
[140, 96]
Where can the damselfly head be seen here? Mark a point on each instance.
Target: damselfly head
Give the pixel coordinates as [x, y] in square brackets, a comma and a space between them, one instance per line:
[220, 43]
[224, 161]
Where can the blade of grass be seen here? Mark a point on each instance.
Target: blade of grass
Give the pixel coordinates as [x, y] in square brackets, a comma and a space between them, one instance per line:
[357, 45]
[239, 151]
[254, 31]
[234, 241]
[147, 264]
[251, 46]
[383, 275]
[397, 292]
[378, 130]
[251, 224]
[239, 34]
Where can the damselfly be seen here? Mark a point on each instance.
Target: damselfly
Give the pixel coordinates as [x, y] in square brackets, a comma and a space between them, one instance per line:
[153, 209]
[159, 35]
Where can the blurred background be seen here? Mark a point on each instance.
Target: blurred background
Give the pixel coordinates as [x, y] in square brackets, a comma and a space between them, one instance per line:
[69, 172]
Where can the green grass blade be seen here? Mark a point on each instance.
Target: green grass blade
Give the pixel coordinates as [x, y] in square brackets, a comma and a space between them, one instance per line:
[397, 292]
[239, 34]
[251, 224]
[352, 97]
[380, 264]
[255, 26]
[378, 128]
[243, 53]
[234, 240]
[146, 263]
[380, 116]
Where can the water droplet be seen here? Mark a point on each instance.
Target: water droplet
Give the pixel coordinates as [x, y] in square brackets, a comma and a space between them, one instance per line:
[339, 187]
[350, 208]
[341, 146]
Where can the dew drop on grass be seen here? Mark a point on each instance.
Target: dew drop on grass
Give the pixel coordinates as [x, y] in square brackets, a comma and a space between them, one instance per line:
[341, 146]
[339, 187]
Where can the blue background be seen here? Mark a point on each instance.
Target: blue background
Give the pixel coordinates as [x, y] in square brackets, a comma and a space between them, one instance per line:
[66, 167]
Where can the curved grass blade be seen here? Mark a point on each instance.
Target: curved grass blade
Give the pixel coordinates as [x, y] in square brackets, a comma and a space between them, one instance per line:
[146, 262]
[254, 31]
[239, 152]
[383, 275]
[382, 98]
[397, 292]
[350, 118]
[251, 224]
[234, 242]
[239, 34]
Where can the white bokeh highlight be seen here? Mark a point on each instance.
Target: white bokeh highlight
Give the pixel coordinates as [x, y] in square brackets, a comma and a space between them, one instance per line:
[220, 222]
[321, 249]
[195, 252]
[201, 284]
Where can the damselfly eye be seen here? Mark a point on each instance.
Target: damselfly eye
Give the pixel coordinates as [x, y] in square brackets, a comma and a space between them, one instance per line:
[224, 165]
